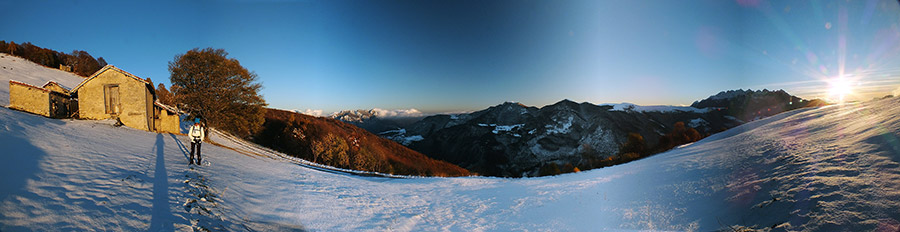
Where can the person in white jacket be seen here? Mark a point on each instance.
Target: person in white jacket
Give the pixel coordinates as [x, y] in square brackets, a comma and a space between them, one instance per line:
[197, 134]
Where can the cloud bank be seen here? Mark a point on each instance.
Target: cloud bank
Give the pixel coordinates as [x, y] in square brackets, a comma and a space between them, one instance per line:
[400, 113]
[311, 112]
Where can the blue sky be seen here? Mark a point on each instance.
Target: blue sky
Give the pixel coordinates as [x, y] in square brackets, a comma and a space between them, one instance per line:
[442, 56]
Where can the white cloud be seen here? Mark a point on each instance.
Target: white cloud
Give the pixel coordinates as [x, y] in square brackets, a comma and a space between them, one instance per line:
[312, 112]
[397, 113]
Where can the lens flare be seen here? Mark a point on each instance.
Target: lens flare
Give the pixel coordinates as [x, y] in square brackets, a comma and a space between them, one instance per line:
[839, 88]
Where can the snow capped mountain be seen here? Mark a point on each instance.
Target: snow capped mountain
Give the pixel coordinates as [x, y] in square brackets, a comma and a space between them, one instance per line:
[379, 121]
[354, 115]
[362, 115]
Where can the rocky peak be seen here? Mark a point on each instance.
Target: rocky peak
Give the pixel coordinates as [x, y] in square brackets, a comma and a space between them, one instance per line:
[354, 115]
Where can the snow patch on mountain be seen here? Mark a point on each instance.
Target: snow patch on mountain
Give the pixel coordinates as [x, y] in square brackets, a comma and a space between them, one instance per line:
[409, 139]
[560, 127]
[400, 136]
[657, 108]
[732, 118]
[697, 123]
[501, 128]
[601, 140]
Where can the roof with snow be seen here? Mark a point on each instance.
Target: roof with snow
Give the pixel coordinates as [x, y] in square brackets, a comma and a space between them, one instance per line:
[55, 83]
[29, 85]
[167, 107]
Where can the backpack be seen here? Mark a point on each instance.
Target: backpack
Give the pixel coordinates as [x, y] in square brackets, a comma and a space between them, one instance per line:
[196, 130]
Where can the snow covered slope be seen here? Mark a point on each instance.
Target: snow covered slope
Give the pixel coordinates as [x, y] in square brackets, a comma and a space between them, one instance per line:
[826, 169]
[16, 68]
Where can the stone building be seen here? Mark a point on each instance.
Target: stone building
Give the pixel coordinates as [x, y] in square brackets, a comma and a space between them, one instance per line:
[112, 93]
[67, 68]
[51, 100]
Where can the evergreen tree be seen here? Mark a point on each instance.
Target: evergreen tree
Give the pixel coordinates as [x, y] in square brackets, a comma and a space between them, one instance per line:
[217, 89]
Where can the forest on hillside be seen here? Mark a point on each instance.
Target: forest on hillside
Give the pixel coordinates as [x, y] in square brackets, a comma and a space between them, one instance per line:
[81, 62]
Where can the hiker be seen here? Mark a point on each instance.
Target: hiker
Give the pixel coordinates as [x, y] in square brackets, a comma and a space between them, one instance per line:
[196, 134]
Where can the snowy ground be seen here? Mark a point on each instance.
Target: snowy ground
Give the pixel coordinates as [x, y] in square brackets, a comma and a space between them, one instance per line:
[834, 168]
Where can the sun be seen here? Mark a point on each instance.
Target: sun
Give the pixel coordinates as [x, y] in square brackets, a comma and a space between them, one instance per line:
[839, 88]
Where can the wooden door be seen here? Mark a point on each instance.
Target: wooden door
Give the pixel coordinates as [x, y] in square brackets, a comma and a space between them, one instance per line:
[112, 99]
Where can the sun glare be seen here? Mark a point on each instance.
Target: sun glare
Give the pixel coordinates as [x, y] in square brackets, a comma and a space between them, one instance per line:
[839, 88]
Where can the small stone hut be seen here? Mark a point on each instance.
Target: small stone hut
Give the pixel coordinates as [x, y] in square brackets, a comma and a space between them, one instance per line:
[51, 100]
[168, 118]
[112, 93]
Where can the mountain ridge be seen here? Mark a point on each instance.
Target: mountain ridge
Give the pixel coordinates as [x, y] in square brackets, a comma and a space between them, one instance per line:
[511, 139]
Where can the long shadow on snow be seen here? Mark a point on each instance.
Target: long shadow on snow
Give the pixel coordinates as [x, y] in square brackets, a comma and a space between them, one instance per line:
[19, 158]
[184, 150]
[20, 164]
[160, 190]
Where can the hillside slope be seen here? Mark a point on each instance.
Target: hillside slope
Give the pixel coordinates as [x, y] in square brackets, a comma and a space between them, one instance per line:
[332, 142]
[826, 169]
[19, 69]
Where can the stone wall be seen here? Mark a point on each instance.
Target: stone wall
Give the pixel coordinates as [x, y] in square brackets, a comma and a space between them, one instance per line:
[167, 122]
[29, 98]
[55, 87]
